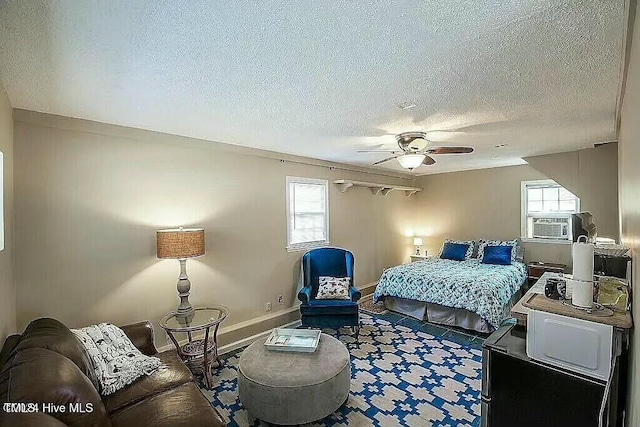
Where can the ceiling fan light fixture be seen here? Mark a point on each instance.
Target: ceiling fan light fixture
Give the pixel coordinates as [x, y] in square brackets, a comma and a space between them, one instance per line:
[411, 161]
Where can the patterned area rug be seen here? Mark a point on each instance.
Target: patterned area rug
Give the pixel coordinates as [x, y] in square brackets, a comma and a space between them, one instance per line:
[400, 377]
[368, 306]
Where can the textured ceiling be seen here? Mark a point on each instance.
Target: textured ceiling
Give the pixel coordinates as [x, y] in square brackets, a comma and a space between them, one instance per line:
[323, 79]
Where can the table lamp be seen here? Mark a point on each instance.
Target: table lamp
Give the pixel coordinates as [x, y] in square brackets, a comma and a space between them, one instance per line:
[417, 242]
[180, 244]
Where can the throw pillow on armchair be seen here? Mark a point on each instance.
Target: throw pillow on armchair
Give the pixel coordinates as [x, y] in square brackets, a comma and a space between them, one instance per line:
[333, 288]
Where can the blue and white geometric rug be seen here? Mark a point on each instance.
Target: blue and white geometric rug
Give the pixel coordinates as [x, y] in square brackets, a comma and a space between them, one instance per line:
[400, 377]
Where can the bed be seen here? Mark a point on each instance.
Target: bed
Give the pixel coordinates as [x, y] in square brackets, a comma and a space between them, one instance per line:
[468, 294]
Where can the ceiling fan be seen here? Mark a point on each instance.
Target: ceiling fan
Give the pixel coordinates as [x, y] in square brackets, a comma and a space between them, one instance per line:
[415, 150]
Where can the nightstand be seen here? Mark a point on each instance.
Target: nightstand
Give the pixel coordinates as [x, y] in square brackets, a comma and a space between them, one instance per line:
[536, 269]
[415, 257]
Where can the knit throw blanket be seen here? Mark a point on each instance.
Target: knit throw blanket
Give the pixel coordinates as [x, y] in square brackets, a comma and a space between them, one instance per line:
[116, 361]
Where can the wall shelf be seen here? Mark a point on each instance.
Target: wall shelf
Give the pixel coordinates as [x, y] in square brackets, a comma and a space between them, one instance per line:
[376, 188]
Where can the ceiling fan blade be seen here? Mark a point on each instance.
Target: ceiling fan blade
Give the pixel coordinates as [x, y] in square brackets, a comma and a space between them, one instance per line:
[450, 150]
[385, 160]
[379, 151]
[428, 160]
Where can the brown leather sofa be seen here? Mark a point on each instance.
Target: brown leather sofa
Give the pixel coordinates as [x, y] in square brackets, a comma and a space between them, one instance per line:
[47, 364]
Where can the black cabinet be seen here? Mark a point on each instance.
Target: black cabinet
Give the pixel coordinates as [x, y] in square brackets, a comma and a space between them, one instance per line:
[518, 391]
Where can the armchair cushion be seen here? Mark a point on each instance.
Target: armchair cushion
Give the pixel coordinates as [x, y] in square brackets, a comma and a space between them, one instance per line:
[318, 307]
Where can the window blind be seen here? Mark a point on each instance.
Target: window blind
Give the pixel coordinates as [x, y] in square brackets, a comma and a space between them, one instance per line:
[307, 211]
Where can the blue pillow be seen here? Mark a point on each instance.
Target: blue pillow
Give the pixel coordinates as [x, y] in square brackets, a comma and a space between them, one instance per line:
[499, 255]
[454, 251]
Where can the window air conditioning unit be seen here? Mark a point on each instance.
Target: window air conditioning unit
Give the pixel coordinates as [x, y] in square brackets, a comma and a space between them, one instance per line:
[551, 228]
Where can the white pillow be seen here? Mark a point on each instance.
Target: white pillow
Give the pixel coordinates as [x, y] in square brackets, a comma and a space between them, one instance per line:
[333, 288]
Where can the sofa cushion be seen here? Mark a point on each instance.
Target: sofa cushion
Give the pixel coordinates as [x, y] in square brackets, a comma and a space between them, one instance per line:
[327, 306]
[39, 375]
[53, 335]
[183, 406]
[170, 374]
[34, 419]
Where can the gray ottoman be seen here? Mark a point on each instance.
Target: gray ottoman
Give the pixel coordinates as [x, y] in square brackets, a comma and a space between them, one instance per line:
[294, 388]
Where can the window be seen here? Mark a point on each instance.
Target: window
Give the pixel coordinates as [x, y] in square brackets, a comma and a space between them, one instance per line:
[307, 213]
[546, 211]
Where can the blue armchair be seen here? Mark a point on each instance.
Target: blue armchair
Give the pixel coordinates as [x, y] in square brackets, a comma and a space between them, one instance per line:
[324, 313]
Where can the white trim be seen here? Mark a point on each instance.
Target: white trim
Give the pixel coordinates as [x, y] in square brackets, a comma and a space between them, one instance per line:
[306, 245]
[539, 182]
[523, 209]
[546, 241]
[257, 320]
[229, 329]
[234, 345]
[246, 341]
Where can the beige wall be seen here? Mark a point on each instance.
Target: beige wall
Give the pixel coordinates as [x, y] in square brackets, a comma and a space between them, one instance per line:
[89, 198]
[7, 286]
[592, 175]
[629, 176]
[486, 203]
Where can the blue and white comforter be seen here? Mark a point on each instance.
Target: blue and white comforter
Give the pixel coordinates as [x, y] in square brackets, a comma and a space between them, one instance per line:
[483, 289]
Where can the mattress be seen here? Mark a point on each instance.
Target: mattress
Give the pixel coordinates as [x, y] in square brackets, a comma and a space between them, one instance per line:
[482, 289]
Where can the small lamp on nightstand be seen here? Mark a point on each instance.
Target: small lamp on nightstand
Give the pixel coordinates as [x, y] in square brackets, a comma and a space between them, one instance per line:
[417, 242]
[180, 244]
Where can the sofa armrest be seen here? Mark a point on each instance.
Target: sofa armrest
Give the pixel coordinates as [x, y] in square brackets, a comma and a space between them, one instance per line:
[305, 294]
[9, 344]
[141, 335]
[355, 294]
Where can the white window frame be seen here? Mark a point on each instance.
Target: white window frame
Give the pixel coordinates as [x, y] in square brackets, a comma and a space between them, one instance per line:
[524, 236]
[294, 247]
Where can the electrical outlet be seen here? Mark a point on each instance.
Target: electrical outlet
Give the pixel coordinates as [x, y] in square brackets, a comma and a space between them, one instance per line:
[268, 306]
[280, 299]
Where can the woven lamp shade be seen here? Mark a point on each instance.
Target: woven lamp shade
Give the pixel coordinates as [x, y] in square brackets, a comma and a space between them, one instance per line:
[180, 243]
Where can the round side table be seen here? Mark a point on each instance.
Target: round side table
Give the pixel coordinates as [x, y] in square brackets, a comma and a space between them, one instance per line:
[200, 355]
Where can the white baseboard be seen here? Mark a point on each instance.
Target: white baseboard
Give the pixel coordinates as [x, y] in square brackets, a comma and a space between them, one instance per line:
[366, 289]
[246, 341]
[234, 345]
